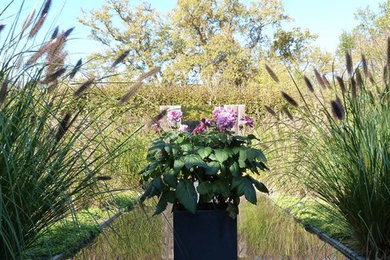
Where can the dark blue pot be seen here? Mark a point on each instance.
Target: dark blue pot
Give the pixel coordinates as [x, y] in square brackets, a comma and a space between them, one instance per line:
[207, 234]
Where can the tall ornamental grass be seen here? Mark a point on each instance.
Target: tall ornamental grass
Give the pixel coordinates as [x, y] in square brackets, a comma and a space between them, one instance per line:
[51, 154]
[341, 135]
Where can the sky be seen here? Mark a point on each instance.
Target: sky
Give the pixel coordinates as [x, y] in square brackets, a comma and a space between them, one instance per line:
[325, 18]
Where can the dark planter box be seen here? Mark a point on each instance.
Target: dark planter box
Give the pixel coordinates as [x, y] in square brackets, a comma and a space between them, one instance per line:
[207, 234]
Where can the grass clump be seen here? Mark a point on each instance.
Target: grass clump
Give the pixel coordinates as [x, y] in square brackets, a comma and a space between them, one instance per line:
[342, 153]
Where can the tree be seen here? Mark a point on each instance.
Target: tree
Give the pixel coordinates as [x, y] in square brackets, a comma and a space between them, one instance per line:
[201, 41]
[141, 30]
[369, 36]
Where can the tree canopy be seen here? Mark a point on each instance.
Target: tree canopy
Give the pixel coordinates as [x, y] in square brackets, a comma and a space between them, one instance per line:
[199, 41]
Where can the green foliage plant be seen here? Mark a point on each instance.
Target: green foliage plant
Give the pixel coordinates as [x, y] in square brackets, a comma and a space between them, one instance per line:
[209, 165]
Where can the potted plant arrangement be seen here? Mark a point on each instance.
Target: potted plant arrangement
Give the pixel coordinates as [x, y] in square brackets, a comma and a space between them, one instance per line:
[203, 174]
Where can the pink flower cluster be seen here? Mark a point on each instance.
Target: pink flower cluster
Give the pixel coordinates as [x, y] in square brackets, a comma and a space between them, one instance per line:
[247, 121]
[204, 123]
[225, 118]
[174, 116]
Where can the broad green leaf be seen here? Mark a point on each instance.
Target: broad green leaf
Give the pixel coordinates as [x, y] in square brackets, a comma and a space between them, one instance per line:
[221, 187]
[252, 137]
[186, 195]
[259, 185]
[241, 163]
[170, 179]
[221, 155]
[212, 168]
[168, 196]
[235, 169]
[204, 152]
[244, 187]
[243, 154]
[253, 154]
[186, 147]
[177, 165]
[193, 159]
[154, 188]
[233, 210]
[205, 187]
[168, 149]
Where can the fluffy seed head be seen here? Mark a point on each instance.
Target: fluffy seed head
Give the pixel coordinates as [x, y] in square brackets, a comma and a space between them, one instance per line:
[308, 83]
[134, 89]
[84, 87]
[349, 64]
[289, 99]
[326, 81]
[120, 58]
[341, 83]
[76, 68]
[287, 112]
[272, 73]
[337, 109]
[319, 78]
[270, 110]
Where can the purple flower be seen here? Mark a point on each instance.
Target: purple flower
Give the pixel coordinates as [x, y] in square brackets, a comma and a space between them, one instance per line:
[174, 116]
[225, 118]
[183, 128]
[248, 121]
[157, 126]
[199, 129]
[216, 111]
[207, 121]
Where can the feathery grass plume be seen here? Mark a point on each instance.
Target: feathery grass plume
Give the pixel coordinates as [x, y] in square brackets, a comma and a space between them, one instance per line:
[326, 81]
[337, 109]
[359, 79]
[103, 178]
[44, 48]
[55, 33]
[319, 78]
[370, 77]
[149, 73]
[349, 64]
[120, 58]
[28, 20]
[270, 110]
[388, 52]
[3, 91]
[76, 68]
[56, 47]
[341, 83]
[272, 73]
[385, 74]
[2, 27]
[308, 83]
[37, 26]
[19, 62]
[54, 76]
[289, 99]
[158, 117]
[63, 127]
[365, 66]
[84, 86]
[353, 88]
[134, 89]
[287, 112]
[68, 32]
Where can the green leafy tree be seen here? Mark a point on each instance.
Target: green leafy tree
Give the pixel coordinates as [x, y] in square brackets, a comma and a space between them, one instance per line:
[140, 30]
[209, 42]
